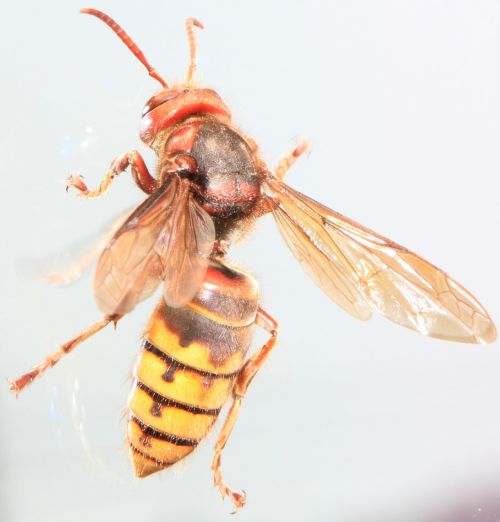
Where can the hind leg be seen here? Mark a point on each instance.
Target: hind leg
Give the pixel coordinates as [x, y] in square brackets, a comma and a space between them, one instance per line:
[247, 373]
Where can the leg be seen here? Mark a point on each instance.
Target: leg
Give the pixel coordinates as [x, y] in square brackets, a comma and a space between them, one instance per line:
[140, 175]
[19, 384]
[264, 205]
[287, 161]
[247, 373]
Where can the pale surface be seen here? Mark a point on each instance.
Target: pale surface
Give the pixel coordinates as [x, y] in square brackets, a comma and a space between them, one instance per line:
[350, 421]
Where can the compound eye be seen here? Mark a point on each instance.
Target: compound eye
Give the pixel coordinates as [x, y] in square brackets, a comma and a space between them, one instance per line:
[158, 99]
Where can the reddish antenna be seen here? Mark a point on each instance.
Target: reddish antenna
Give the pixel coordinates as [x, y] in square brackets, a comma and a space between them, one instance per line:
[125, 38]
[191, 23]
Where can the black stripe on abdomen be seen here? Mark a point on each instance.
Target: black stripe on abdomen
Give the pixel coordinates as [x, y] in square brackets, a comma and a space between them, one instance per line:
[156, 462]
[151, 432]
[165, 401]
[175, 365]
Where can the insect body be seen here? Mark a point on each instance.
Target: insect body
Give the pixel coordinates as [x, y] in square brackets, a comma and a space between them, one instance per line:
[210, 186]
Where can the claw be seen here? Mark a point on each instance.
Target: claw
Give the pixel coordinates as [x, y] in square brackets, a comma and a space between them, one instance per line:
[304, 145]
[18, 385]
[238, 499]
[76, 182]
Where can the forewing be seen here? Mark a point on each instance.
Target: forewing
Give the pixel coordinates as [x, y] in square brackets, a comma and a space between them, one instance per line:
[361, 270]
[320, 257]
[185, 251]
[129, 269]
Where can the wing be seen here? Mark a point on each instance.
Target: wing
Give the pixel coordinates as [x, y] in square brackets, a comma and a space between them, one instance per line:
[166, 227]
[184, 249]
[72, 263]
[363, 271]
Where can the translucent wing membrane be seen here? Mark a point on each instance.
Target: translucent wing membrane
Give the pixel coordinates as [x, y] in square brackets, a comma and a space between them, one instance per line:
[72, 263]
[167, 228]
[363, 271]
[321, 258]
[184, 248]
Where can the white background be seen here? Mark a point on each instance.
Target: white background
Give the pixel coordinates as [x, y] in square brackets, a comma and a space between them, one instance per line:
[349, 421]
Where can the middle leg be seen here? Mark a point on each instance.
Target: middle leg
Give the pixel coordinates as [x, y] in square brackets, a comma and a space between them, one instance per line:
[289, 159]
[20, 383]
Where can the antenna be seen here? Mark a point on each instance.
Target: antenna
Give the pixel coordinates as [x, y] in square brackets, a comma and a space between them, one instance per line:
[191, 23]
[125, 38]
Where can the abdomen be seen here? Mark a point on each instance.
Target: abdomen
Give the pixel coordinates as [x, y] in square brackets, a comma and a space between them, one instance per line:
[185, 373]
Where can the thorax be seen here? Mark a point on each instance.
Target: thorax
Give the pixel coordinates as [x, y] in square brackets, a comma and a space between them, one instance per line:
[220, 163]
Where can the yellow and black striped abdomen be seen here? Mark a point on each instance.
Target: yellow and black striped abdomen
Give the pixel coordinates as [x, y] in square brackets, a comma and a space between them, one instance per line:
[186, 370]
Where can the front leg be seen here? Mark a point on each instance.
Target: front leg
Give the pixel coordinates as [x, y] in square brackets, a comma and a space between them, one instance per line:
[139, 171]
[245, 376]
